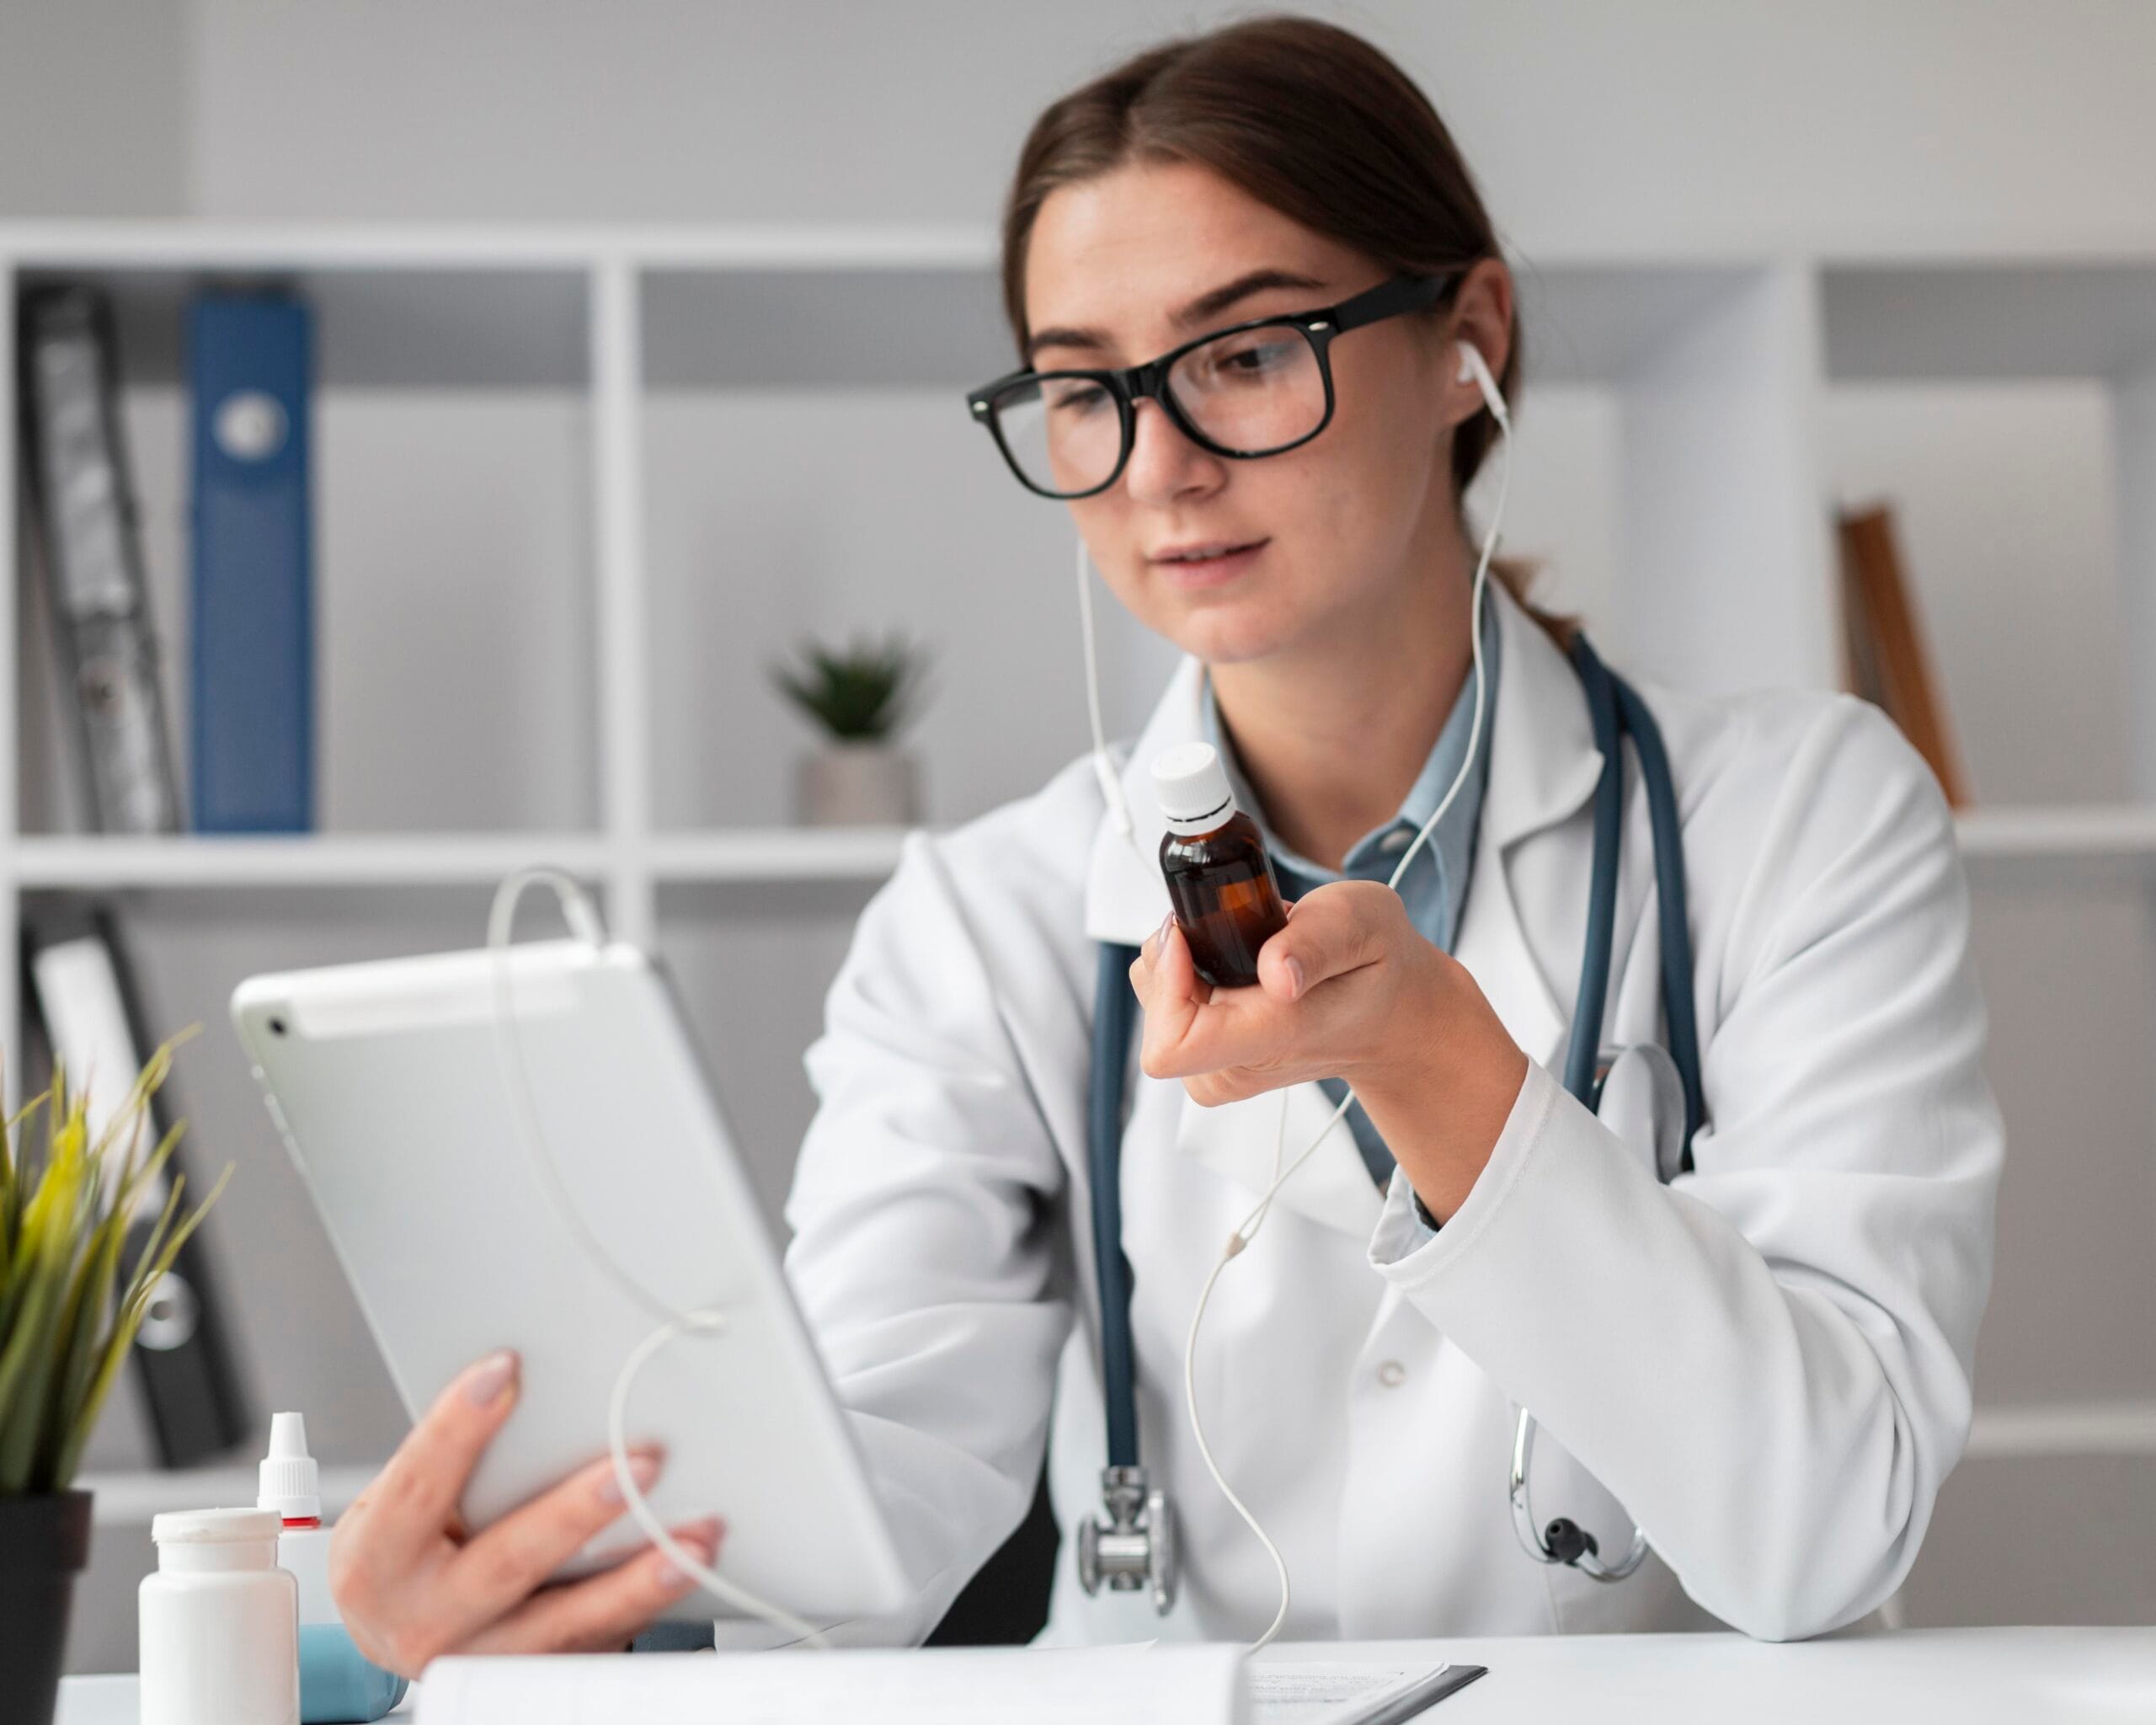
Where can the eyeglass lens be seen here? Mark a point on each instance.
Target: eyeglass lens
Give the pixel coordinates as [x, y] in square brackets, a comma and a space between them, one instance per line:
[1249, 393]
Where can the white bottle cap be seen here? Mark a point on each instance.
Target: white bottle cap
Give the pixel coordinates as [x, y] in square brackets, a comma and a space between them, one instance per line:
[290, 1482]
[1192, 787]
[212, 1527]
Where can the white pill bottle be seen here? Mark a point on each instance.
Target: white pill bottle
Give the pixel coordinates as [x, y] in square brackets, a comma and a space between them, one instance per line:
[220, 1622]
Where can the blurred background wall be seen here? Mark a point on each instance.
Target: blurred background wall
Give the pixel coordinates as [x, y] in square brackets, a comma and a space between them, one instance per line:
[1654, 122]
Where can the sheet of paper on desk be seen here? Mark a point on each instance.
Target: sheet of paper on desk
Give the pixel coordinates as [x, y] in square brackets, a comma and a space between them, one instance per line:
[1318, 1693]
[1200, 1684]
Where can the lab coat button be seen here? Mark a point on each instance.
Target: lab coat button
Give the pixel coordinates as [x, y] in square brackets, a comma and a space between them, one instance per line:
[1392, 1373]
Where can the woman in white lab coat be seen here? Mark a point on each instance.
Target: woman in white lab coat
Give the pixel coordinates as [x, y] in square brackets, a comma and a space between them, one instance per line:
[1765, 1363]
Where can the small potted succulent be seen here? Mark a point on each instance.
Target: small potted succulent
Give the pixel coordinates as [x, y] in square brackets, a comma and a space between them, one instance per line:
[859, 697]
[69, 1310]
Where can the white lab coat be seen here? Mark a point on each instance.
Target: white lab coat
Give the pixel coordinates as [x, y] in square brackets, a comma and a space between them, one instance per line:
[1767, 1363]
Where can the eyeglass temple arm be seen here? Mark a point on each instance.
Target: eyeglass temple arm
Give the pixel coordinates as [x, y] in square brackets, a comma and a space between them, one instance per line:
[1389, 299]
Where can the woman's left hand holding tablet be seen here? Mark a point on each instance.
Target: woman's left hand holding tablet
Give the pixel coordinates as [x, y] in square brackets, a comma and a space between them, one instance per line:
[1349, 989]
[411, 1584]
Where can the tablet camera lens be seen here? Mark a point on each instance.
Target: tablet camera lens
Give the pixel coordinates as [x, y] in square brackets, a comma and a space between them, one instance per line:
[276, 1027]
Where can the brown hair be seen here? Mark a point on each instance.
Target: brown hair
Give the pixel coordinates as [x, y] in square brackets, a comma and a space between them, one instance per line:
[1304, 116]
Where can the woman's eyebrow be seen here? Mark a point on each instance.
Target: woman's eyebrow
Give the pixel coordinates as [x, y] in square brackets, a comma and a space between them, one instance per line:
[1203, 309]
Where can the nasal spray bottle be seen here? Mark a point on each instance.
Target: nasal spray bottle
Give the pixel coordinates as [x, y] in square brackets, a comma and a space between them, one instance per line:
[338, 1686]
[1219, 877]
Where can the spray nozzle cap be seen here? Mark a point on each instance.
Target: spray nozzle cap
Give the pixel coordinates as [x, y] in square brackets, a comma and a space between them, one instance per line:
[289, 1482]
[1191, 785]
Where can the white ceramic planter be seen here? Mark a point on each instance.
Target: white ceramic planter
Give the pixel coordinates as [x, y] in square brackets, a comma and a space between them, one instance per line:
[857, 784]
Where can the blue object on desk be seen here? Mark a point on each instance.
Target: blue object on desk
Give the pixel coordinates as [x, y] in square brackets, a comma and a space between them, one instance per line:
[250, 359]
[339, 1685]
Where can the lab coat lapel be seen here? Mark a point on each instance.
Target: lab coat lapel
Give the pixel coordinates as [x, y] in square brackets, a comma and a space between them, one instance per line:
[1543, 767]
[1493, 946]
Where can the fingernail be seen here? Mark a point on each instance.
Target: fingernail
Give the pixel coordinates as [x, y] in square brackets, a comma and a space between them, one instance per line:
[701, 1542]
[1167, 922]
[643, 1469]
[488, 1379]
[1294, 967]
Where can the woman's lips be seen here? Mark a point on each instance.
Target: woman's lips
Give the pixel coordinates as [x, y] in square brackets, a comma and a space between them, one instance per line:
[1211, 571]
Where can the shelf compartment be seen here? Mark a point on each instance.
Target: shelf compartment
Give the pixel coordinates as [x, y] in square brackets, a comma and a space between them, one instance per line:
[382, 323]
[454, 529]
[748, 558]
[1601, 323]
[2057, 358]
[932, 326]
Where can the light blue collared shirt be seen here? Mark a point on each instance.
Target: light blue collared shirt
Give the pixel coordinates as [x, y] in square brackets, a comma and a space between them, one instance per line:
[1434, 889]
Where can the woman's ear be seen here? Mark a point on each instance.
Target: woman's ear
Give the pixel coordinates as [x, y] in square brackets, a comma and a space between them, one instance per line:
[1483, 314]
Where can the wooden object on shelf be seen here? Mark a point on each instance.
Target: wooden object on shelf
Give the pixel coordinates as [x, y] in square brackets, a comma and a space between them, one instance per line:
[1885, 660]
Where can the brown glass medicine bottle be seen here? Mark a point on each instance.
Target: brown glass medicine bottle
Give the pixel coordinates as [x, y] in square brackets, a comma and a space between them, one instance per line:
[1219, 877]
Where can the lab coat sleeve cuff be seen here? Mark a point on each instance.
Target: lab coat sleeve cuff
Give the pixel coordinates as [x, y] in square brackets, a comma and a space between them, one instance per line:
[1405, 1249]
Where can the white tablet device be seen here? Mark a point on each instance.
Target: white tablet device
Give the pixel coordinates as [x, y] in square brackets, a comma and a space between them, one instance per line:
[386, 1081]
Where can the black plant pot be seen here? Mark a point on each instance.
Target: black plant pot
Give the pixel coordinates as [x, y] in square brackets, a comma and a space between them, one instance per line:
[45, 1541]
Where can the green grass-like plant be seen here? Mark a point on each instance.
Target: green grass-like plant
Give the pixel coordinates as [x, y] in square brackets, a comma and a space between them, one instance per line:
[860, 693]
[68, 1317]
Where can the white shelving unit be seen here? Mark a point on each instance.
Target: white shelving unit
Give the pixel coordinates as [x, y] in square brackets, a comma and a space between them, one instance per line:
[1705, 362]
[2060, 841]
[131, 1499]
[745, 434]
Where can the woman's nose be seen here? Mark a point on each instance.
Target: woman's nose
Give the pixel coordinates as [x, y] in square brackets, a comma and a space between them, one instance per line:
[1164, 465]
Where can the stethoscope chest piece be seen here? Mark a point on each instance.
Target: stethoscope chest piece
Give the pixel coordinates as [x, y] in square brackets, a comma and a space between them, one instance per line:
[1564, 1540]
[1135, 1546]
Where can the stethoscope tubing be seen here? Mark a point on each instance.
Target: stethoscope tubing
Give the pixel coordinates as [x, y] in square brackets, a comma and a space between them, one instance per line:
[1115, 1015]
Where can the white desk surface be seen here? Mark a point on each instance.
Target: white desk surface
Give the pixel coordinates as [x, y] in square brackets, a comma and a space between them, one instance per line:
[1967, 1676]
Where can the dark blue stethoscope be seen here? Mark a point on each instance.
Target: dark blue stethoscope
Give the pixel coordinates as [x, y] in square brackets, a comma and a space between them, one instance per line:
[1133, 1544]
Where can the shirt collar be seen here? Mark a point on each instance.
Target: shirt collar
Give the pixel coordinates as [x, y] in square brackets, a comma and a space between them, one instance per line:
[1453, 839]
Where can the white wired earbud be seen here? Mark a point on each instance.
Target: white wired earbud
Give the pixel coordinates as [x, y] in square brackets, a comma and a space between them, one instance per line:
[1471, 364]
[582, 918]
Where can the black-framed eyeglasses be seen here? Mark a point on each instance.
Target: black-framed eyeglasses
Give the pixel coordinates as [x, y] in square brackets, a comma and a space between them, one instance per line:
[1253, 389]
